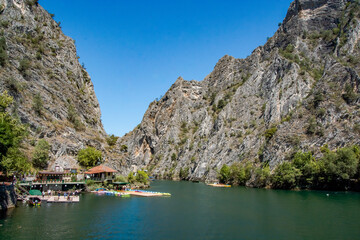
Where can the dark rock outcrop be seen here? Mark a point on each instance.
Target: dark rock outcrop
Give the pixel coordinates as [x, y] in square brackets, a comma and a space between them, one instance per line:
[7, 197]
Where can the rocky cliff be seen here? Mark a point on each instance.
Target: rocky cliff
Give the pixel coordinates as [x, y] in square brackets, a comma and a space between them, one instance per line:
[297, 92]
[53, 93]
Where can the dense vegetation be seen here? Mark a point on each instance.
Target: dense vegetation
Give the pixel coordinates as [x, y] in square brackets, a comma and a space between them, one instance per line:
[339, 169]
[89, 157]
[12, 133]
[141, 177]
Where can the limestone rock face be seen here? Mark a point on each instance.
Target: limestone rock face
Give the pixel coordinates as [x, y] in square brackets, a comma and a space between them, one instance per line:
[303, 83]
[53, 93]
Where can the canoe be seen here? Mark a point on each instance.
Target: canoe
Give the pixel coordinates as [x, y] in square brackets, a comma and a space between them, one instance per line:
[219, 185]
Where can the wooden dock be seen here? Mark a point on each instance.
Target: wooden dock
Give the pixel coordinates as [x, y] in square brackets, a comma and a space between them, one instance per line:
[61, 199]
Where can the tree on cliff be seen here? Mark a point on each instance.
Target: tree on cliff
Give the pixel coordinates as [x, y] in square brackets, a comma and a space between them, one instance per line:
[12, 132]
[41, 154]
[89, 157]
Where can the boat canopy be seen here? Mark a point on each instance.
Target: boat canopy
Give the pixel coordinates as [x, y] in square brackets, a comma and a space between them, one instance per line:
[35, 192]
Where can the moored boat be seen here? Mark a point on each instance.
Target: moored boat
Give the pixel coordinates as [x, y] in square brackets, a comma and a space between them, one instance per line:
[34, 201]
[219, 185]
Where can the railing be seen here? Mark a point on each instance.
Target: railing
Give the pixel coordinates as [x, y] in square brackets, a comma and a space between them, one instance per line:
[99, 179]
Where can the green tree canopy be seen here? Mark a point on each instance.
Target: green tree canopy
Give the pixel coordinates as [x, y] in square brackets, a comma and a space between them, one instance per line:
[305, 162]
[224, 174]
[286, 176]
[340, 166]
[237, 174]
[131, 177]
[12, 132]
[89, 156]
[41, 154]
[142, 177]
[16, 161]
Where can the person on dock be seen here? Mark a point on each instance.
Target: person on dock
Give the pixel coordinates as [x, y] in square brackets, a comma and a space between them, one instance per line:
[59, 195]
[43, 194]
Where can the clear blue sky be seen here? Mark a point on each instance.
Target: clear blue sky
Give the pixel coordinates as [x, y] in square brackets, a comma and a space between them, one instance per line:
[135, 50]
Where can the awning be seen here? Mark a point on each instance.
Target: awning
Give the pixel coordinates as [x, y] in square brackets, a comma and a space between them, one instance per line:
[35, 192]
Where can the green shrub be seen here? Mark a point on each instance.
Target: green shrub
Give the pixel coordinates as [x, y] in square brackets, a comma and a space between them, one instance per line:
[221, 104]
[311, 128]
[173, 157]
[212, 98]
[318, 98]
[184, 173]
[38, 56]
[111, 140]
[89, 157]
[321, 112]
[336, 31]
[356, 128]
[349, 96]
[289, 48]
[93, 186]
[32, 2]
[263, 108]
[317, 73]
[71, 115]
[120, 178]
[37, 104]
[13, 85]
[327, 35]
[123, 148]
[131, 177]
[74, 119]
[3, 53]
[4, 24]
[269, 133]
[24, 66]
[41, 154]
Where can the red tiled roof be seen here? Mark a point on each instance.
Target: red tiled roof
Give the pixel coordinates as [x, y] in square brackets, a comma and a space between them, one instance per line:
[100, 169]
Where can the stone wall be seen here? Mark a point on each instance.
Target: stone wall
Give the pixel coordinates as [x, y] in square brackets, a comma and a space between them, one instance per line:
[7, 197]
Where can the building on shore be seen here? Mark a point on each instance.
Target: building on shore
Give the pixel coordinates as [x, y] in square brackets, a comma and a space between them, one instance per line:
[50, 177]
[101, 173]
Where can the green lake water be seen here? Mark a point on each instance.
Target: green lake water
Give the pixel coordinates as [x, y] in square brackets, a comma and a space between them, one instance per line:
[194, 211]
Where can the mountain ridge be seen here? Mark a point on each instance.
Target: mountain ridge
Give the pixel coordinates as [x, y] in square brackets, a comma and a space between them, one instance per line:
[228, 116]
[53, 94]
